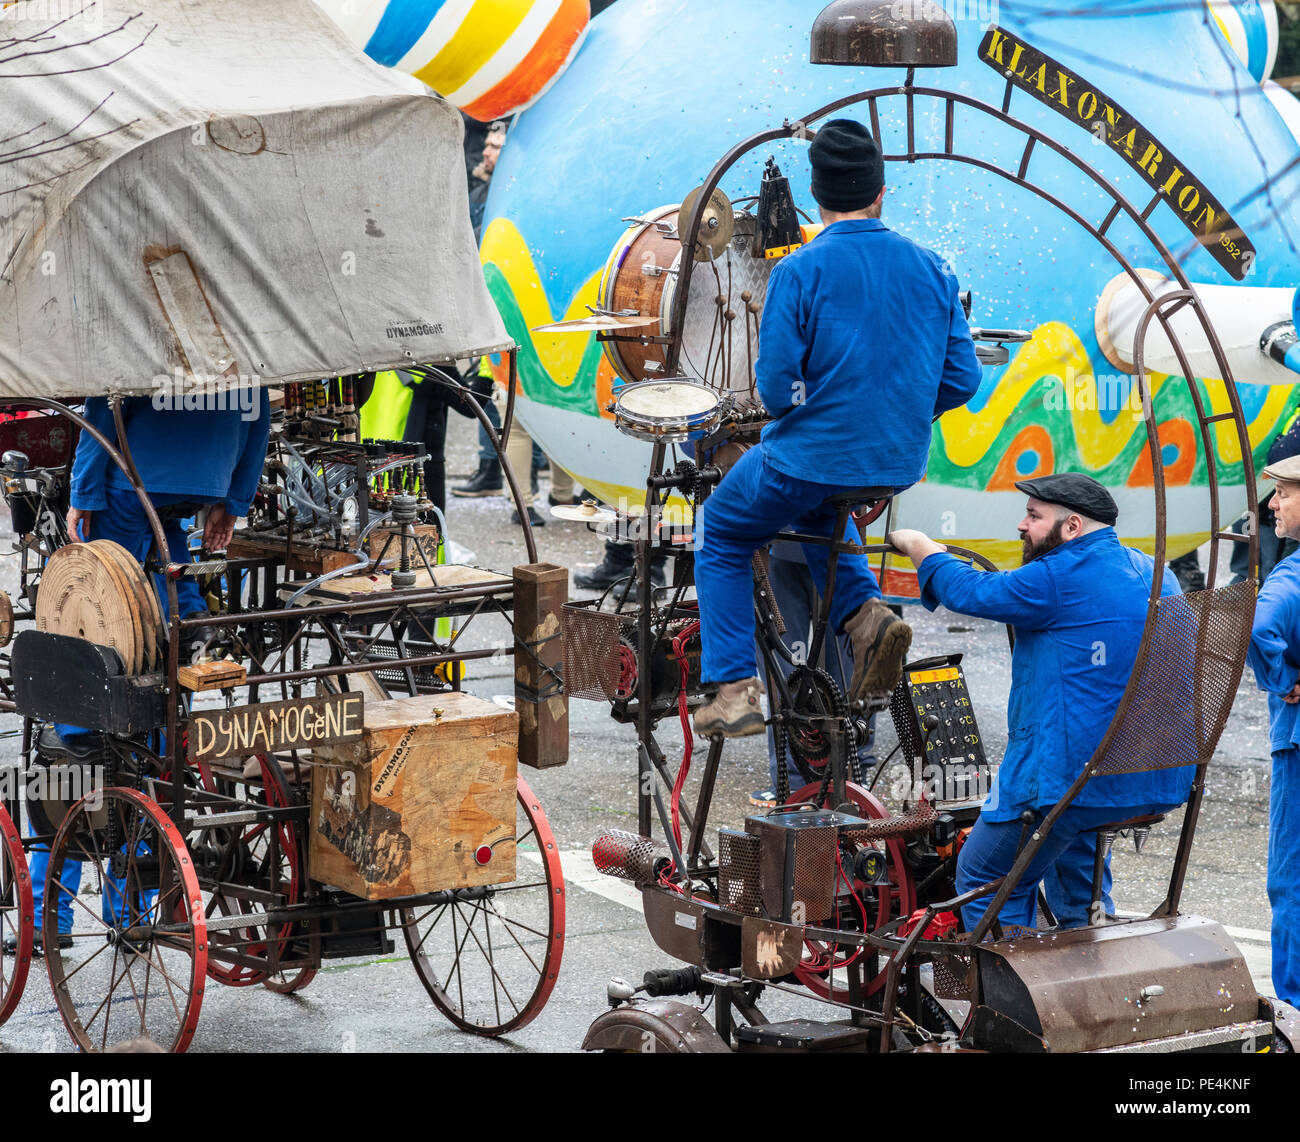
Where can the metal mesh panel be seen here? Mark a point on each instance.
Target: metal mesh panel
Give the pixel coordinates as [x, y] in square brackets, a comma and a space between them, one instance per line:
[628, 856]
[950, 977]
[814, 872]
[913, 821]
[738, 872]
[593, 662]
[1183, 692]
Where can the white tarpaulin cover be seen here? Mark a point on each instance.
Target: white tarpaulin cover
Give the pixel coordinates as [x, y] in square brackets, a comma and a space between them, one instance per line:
[222, 187]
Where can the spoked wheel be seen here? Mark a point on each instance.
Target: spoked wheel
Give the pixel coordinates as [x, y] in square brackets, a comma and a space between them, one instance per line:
[17, 918]
[136, 967]
[489, 958]
[251, 867]
[891, 900]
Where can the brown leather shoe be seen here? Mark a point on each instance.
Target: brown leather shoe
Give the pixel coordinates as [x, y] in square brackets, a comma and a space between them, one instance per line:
[736, 712]
[880, 643]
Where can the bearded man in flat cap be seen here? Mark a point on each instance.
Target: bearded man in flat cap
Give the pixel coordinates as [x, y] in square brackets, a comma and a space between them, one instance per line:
[1078, 605]
[863, 343]
[1275, 657]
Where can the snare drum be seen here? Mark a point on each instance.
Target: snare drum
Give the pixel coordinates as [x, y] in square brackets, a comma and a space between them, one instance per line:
[667, 412]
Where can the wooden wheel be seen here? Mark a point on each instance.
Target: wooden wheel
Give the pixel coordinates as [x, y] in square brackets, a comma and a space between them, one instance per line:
[87, 593]
[17, 917]
[490, 957]
[136, 967]
[146, 602]
[897, 898]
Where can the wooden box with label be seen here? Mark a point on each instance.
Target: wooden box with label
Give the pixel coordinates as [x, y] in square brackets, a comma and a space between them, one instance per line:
[423, 801]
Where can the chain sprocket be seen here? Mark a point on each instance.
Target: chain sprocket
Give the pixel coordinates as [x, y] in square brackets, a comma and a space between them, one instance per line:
[809, 748]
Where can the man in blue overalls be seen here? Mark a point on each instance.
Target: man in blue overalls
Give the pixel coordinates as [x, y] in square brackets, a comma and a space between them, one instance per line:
[1275, 657]
[188, 459]
[1078, 605]
[863, 342]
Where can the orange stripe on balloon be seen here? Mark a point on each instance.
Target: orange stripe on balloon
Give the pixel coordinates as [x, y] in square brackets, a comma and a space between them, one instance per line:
[1035, 438]
[1178, 433]
[535, 70]
[605, 378]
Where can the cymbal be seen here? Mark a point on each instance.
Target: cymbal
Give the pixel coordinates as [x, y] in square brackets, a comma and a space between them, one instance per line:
[597, 323]
[717, 224]
[586, 512]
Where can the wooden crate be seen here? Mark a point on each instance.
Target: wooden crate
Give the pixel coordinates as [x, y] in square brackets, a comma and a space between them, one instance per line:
[405, 808]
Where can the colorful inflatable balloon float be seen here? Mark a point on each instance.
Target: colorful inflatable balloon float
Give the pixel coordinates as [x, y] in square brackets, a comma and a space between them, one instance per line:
[491, 58]
[1164, 102]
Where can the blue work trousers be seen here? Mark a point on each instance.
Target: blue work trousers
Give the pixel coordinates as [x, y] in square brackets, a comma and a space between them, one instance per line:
[110, 908]
[1065, 860]
[797, 600]
[752, 504]
[1284, 873]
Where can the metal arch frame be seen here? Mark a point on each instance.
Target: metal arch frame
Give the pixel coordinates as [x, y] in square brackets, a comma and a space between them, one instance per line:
[1159, 307]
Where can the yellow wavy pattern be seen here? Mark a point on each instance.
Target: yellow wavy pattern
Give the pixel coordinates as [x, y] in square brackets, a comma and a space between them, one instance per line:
[560, 353]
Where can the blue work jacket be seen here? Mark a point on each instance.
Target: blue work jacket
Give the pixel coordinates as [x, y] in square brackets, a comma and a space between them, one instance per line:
[863, 343]
[207, 456]
[1274, 652]
[1078, 614]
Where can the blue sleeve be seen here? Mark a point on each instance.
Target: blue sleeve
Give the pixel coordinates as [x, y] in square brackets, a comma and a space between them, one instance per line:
[248, 471]
[89, 479]
[1024, 598]
[1275, 620]
[781, 344]
[962, 372]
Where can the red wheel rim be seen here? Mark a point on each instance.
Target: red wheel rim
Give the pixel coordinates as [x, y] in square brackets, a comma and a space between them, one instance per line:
[135, 970]
[490, 965]
[17, 916]
[252, 940]
[890, 902]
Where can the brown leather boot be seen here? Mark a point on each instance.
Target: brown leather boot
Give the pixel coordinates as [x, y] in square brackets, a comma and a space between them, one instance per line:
[736, 712]
[880, 643]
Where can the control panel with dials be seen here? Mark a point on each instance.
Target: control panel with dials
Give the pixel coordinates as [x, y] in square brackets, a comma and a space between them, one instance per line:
[936, 725]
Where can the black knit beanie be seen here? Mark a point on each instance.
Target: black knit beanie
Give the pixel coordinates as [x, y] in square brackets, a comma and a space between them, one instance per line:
[847, 168]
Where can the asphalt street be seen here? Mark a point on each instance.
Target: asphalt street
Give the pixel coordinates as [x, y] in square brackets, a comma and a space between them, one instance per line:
[377, 1004]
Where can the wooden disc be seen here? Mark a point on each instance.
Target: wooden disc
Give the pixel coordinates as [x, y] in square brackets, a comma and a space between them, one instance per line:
[151, 624]
[83, 594]
[6, 619]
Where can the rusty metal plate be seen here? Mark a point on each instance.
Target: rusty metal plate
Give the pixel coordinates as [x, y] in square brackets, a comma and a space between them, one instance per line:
[1092, 988]
[768, 949]
[676, 924]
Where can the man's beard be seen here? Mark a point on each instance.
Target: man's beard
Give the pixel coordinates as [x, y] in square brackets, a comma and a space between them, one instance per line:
[1052, 540]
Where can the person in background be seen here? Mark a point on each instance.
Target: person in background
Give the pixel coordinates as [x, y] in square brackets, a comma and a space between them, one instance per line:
[1274, 655]
[190, 461]
[1273, 545]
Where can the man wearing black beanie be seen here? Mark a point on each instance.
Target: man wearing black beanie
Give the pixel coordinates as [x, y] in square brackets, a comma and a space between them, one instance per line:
[863, 342]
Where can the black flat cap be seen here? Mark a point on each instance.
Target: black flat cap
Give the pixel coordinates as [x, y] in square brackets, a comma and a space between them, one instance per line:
[1075, 491]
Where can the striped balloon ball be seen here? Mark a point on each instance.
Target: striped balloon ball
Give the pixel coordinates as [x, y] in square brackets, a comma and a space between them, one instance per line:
[490, 58]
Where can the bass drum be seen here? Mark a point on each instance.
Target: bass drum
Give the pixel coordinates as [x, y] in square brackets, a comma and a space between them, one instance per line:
[720, 332]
